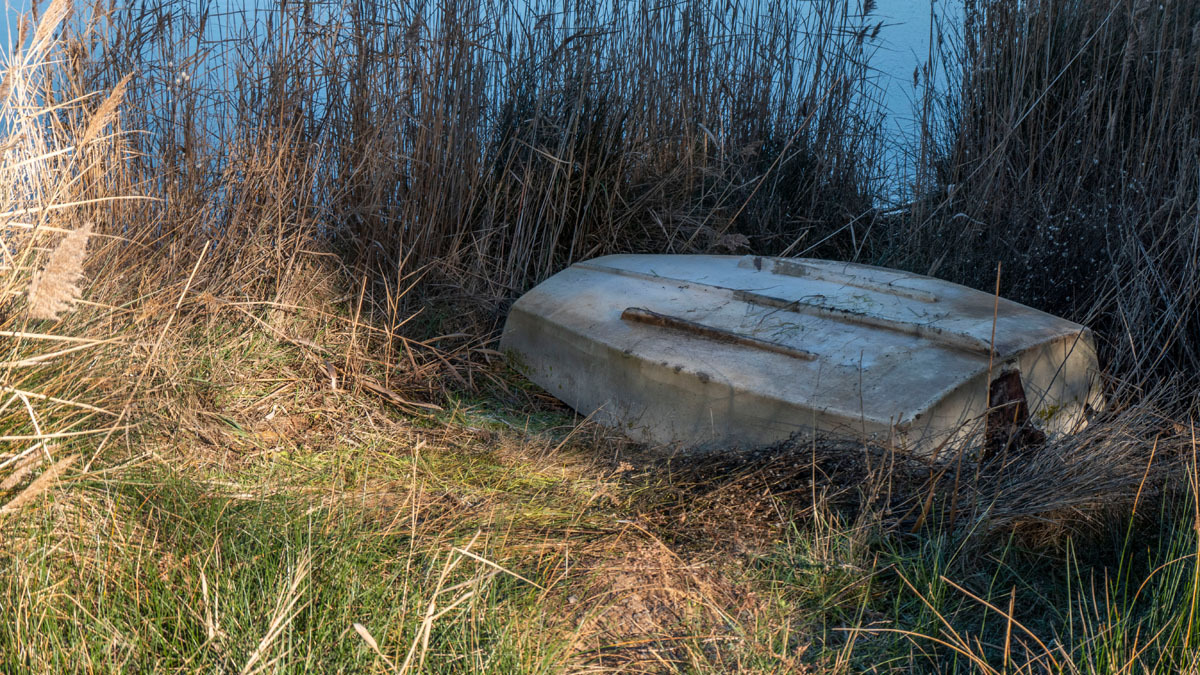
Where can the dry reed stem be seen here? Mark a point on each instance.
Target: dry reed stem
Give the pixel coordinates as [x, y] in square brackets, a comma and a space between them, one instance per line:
[55, 399]
[54, 338]
[21, 456]
[64, 434]
[63, 206]
[42, 359]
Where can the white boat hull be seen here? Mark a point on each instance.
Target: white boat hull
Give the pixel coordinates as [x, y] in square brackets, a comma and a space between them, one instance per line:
[713, 352]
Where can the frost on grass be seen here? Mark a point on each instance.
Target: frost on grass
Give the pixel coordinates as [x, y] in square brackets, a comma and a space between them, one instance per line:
[54, 288]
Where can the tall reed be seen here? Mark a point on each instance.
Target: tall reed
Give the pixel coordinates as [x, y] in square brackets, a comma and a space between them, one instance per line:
[61, 179]
[483, 144]
[1071, 155]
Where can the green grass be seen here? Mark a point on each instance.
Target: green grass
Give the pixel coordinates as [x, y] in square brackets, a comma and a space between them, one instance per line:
[182, 561]
[176, 578]
[340, 510]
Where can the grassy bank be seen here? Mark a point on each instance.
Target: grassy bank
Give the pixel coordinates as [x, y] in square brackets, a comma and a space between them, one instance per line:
[252, 418]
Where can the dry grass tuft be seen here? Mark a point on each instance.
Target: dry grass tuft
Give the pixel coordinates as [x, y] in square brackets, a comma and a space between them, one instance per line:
[641, 605]
[1071, 487]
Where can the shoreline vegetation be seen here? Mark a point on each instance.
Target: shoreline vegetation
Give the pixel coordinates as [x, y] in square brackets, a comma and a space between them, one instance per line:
[253, 266]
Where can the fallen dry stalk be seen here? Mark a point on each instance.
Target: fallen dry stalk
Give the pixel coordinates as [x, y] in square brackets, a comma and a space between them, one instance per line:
[41, 484]
[22, 469]
[54, 338]
[54, 399]
[66, 434]
[42, 359]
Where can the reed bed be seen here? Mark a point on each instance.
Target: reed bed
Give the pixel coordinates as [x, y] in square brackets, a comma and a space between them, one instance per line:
[252, 265]
[61, 180]
[476, 147]
[1068, 155]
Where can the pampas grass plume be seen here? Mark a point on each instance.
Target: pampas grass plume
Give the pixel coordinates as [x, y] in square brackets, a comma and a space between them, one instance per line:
[54, 287]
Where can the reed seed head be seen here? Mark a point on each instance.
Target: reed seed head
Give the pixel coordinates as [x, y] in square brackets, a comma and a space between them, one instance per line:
[54, 288]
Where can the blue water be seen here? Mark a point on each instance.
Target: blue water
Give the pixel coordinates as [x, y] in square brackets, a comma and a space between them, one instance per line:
[904, 48]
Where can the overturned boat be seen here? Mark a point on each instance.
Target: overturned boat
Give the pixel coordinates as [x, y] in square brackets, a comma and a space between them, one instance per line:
[712, 352]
